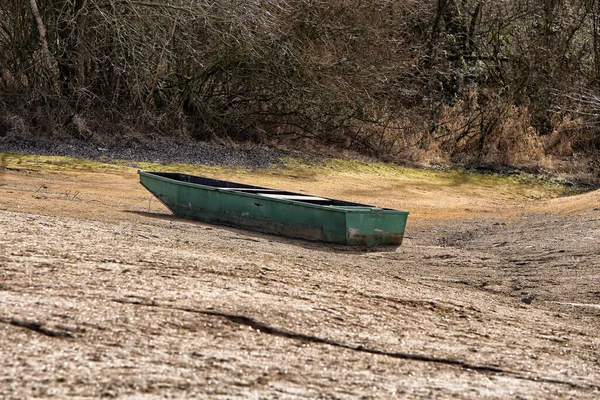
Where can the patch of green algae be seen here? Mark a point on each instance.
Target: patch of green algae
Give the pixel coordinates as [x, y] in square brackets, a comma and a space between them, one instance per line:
[436, 176]
[306, 170]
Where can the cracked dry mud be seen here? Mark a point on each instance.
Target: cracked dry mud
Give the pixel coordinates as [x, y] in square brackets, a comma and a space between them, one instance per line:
[104, 294]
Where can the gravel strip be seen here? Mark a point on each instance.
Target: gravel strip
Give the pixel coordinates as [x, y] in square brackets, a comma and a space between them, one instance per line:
[162, 152]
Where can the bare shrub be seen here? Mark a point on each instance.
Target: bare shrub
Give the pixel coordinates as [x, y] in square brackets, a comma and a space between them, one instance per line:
[16, 125]
[560, 143]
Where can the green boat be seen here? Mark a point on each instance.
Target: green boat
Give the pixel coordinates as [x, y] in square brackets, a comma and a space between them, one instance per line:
[276, 211]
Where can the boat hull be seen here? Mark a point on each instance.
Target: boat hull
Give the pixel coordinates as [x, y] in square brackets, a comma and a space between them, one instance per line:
[276, 212]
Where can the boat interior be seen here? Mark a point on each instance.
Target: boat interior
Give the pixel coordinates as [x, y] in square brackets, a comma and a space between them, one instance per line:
[265, 192]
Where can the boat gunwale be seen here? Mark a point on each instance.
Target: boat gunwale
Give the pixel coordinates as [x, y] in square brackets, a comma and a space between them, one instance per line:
[362, 208]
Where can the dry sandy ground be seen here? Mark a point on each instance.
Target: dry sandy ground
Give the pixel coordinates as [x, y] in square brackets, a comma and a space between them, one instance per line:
[104, 294]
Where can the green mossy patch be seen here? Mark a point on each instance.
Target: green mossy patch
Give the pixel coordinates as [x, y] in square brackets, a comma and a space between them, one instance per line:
[519, 183]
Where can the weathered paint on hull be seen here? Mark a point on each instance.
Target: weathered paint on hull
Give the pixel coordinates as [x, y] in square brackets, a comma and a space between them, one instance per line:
[332, 221]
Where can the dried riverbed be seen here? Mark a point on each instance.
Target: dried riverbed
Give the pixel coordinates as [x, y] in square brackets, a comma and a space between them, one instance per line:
[103, 293]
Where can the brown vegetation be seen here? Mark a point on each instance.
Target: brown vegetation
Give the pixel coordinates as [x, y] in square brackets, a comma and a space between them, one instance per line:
[475, 81]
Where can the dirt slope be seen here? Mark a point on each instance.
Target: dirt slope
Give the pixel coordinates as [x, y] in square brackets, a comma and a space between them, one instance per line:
[102, 293]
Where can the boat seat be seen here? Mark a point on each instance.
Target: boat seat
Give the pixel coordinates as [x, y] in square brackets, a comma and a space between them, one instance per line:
[297, 197]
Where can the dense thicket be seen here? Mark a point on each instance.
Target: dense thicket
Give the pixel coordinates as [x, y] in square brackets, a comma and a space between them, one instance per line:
[502, 81]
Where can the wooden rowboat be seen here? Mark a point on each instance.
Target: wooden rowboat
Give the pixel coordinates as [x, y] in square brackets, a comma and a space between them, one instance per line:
[276, 211]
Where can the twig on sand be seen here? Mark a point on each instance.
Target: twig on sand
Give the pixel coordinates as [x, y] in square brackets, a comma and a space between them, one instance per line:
[71, 195]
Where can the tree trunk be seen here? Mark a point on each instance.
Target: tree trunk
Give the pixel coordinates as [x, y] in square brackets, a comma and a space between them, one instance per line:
[596, 38]
[46, 56]
[71, 63]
